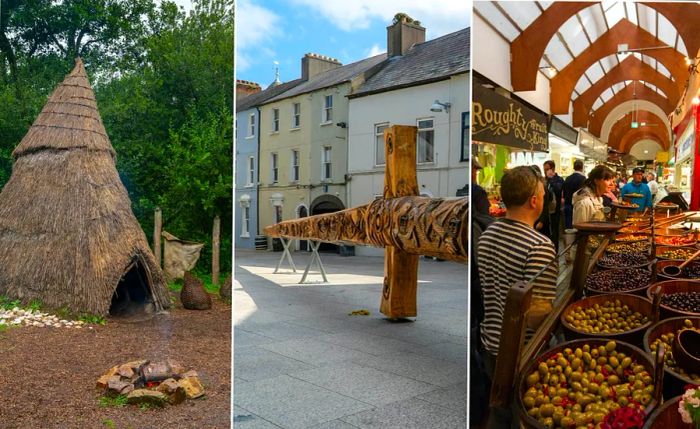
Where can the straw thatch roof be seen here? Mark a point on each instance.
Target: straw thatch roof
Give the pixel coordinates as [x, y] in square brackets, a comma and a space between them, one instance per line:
[67, 232]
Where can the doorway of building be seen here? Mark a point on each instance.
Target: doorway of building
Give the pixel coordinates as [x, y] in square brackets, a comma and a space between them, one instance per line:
[327, 204]
[303, 244]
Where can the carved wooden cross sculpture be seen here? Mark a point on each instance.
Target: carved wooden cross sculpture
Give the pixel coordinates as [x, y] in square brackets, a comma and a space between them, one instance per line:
[404, 223]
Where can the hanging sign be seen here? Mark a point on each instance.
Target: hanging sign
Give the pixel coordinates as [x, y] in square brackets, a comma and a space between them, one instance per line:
[500, 120]
[685, 144]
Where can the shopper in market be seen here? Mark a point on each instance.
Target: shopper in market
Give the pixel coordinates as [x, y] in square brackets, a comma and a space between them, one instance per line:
[572, 184]
[637, 187]
[479, 198]
[588, 201]
[653, 186]
[543, 223]
[555, 184]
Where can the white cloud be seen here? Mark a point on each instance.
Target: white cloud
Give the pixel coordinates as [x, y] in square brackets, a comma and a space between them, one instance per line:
[256, 27]
[438, 18]
[375, 50]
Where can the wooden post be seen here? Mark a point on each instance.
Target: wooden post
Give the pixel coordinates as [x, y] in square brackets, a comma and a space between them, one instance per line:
[157, 226]
[400, 269]
[215, 244]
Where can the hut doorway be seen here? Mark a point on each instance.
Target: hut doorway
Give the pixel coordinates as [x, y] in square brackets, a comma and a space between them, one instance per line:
[133, 295]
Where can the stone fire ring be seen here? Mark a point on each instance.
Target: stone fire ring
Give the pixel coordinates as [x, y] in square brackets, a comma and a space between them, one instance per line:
[153, 383]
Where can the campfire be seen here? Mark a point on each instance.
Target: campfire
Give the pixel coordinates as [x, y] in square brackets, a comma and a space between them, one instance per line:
[155, 383]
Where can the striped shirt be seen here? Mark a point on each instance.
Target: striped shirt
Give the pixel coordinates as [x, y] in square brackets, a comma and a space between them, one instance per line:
[511, 251]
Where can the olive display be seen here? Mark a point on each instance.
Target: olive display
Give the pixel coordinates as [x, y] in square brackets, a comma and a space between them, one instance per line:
[580, 387]
[622, 260]
[618, 280]
[635, 247]
[691, 271]
[678, 254]
[610, 318]
[667, 340]
[684, 301]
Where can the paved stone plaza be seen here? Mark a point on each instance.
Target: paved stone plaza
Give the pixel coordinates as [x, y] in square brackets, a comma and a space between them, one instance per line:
[301, 361]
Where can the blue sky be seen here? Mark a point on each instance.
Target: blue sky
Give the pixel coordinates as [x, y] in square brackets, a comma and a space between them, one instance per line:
[271, 32]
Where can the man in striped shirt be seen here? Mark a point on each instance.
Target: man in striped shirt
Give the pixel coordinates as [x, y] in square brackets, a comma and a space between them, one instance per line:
[511, 250]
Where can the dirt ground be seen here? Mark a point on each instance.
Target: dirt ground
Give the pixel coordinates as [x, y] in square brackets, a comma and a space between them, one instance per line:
[48, 375]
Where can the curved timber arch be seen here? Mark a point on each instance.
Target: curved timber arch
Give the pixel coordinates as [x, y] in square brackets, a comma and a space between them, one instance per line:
[626, 107]
[635, 136]
[624, 125]
[643, 93]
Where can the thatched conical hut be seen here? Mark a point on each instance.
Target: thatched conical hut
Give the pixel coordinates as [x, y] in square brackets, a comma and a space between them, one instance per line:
[68, 237]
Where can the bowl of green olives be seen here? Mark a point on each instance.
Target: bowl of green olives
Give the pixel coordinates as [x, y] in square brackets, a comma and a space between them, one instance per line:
[577, 383]
[679, 298]
[621, 317]
[665, 332]
[674, 252]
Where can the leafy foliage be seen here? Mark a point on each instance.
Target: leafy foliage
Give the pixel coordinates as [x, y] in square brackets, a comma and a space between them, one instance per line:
[113, 401]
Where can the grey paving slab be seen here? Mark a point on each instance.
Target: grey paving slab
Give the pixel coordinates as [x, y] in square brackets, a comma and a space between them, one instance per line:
[453, 397]
[243, 419]
[314, 352]
[280, 330]
[329, 325]
[418, 367]
[256, 315]
[409, 414]
[295, 404]
[335, 424]
[368, 343]
[456, 353]
[414, 333]
[254, 363]
[242, 338]
[363, 383]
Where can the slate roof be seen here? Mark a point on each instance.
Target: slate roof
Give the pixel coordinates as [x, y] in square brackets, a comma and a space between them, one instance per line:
[332, 77]
[261, 97]
[429, 61]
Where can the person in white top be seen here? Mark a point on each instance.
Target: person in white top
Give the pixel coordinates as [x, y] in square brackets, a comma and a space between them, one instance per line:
[588, 201]
[653, 186]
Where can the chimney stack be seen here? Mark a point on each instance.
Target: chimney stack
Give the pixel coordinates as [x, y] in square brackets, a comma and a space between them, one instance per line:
[245, 88]
[402, 34]
[313, 64]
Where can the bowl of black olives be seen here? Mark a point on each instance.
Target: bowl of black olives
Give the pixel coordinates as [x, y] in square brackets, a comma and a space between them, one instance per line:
[679, 298]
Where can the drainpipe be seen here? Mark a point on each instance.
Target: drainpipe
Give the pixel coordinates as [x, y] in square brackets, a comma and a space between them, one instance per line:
[257, 173]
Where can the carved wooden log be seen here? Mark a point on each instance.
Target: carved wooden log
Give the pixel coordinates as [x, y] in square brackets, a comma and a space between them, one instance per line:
[416, 225]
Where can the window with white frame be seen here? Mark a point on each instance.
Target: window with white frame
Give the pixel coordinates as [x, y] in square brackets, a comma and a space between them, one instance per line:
[296, 115]
[251, 171]
[274, 170]
[275, 120]
[295, 165]
[245, 215]
[327, 108]
[380, 158]
[326, 163]
[426, 141]
[251, 125]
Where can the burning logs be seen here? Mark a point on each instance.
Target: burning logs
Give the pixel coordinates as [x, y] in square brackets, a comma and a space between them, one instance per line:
[416, 225]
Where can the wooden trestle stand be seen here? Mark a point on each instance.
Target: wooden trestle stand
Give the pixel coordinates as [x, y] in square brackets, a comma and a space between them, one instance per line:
[402, 222]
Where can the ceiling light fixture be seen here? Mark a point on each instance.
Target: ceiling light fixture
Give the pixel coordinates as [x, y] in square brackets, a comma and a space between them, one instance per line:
[551, 71]
[696, 100]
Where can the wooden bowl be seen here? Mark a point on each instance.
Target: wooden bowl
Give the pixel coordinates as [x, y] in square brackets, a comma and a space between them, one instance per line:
[674, 286]
[634, 302]
[612, 246]
[640, 290]
[629, 238]
[667, 416]
[686, 350]
[662, 240]
[670, 262]
[648, 263]
[661, 249]
[637, 354]
[674, 381]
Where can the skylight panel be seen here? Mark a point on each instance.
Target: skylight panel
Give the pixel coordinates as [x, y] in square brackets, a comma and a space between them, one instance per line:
[523, 13]
[597, 104]
[631, 12]
[574, 35]
[593, 21]
[557, 53]
[667, 32]
[614, 13]
[607, 95]
[489, 12]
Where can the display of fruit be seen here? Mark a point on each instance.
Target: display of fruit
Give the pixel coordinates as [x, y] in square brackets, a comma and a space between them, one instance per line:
[681, 240]
[684, 301]
[634, 247]
[622, 260]
[628, 229]
[631, 237]
[667, 340]
[610, 318]
[678, 254]
[637, 219]
[579, 387]
[618, 280]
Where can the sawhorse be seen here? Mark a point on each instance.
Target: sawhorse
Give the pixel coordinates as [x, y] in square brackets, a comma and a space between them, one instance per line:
[315, 257]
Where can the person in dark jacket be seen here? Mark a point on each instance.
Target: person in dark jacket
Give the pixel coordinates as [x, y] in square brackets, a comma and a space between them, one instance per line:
[555, 184]
[479, 198]
[572, 184]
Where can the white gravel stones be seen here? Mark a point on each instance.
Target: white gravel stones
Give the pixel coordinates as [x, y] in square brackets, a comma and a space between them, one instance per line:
[21, 317]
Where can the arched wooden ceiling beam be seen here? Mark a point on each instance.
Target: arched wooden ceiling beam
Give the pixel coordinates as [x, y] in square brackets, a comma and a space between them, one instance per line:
[643, 92]
[678, 14]
[562, 85]
[626, 107]
[624, 125]
[633, 136]
[630, 69]
[528, 48]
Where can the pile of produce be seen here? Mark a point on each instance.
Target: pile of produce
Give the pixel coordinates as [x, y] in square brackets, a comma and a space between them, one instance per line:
[680, 240]
[610, 318]
[634, 247]
[618, 280]
[622, 260]
[631, 237]
[679, 254]
[580, 387]
[667, 340]
[683, 301]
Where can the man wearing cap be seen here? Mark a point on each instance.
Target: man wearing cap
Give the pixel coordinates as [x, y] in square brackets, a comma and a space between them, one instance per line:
[480, 200]
[637, 187]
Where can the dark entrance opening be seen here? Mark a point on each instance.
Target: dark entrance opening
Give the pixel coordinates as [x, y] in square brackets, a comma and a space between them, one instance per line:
[133, 294]
[322, 205]
[303, 244]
